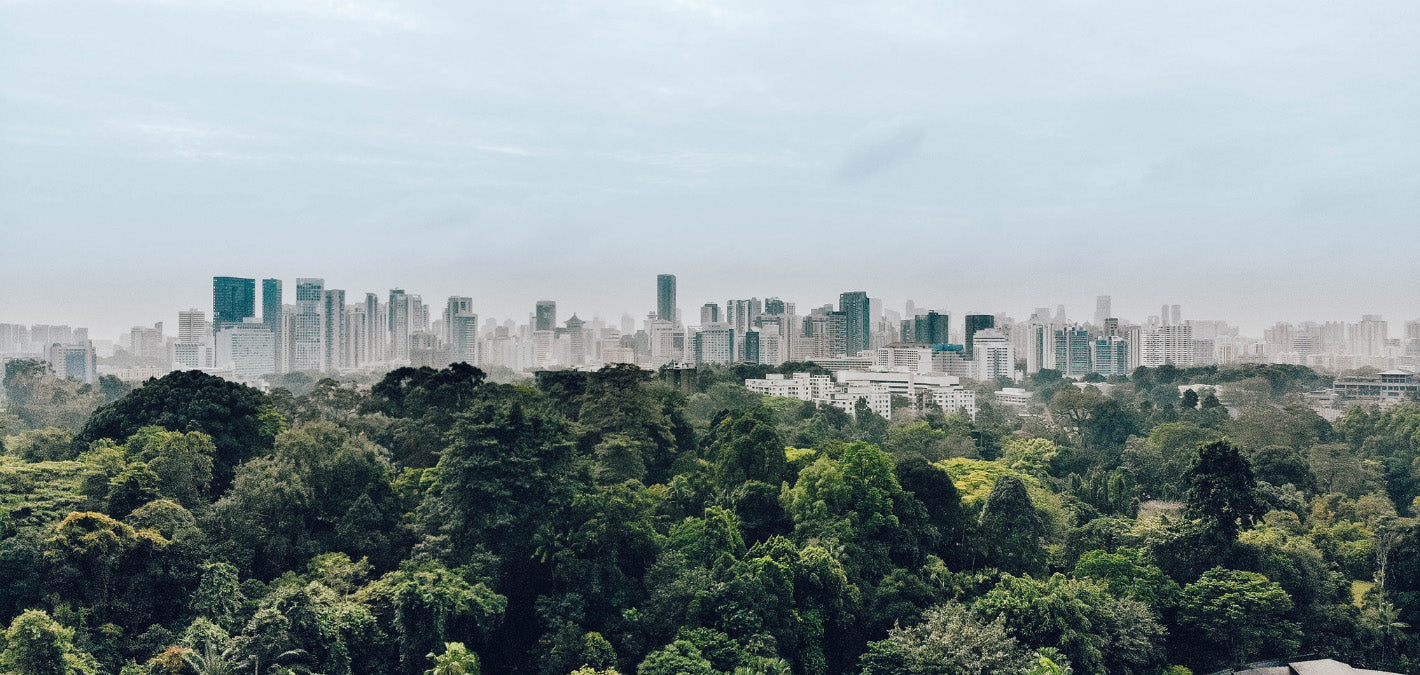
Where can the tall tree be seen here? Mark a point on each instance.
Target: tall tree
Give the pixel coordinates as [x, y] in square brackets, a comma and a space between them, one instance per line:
[1222, 491]
[1012, 529]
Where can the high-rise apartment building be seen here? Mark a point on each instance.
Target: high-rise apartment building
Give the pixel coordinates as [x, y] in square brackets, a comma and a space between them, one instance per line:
[308, 340]
[1073, 351]
[665, 297]
[995, 356]
[740, 314]
[333, 329]
[376, 326]
[1111, 356]
[192, 326]
[233, 300]
[400, 325]
[858, 321]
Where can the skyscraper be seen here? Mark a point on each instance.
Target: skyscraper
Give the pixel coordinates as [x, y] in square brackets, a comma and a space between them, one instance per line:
[233, 299]
[192, 326]
[709, 313]
[857, 321]
[1073, 351]
[1102, 309]
[307, 348]
[545, 316]
[375, 327]
[461, 324]
[400, 322]
[974, 323]
[271, 316]
[333, 325]
[665, 297]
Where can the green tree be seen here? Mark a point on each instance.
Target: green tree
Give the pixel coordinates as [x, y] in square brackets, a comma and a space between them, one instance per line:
[745, 446]
[189, 400]
[504, 468]
[1127, 573]
[1231, 616]
[35, 644]
[950, 640]
[1222, 491]
[1097, 632]
[456, 660]
[677, 658]
[1012, 529]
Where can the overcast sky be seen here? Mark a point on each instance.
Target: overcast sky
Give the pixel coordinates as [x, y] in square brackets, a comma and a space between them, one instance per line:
[1251, 160]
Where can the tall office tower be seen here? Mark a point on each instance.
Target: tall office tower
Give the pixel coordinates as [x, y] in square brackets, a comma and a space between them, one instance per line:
[1111, 326]
[307, 344]
[455, 306]
[334, 329]
[740, 314]
[709, 313]
[858, 321]
[577, 339]
[751, 347]
[545, 316]
[1073, 351]
[1176, 316]
[995, 356]
[777, 307]
[192, 326]
[400, 325]
[463, 335]
[974, 323]
[1102, 310]
[1040, 343]
[233, 299]
[932, 328]
[665, 297]
[271, 316]
[1111, 356]
[714, 343]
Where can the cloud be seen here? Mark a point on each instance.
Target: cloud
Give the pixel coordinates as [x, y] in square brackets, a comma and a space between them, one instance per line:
[879, 147]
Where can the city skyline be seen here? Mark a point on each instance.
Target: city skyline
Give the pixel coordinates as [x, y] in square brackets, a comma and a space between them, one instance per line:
[610, 302]
[1245, 159]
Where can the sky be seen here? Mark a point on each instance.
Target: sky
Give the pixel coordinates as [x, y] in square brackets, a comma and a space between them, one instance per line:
[1252, 161]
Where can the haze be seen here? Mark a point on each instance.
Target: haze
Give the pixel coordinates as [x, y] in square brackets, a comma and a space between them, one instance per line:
[1253, 161]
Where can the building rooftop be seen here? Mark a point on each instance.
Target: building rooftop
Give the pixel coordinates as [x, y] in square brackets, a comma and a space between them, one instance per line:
[1317, 667]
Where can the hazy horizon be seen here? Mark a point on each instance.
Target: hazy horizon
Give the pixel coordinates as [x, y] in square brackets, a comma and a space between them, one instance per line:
[1251, 162]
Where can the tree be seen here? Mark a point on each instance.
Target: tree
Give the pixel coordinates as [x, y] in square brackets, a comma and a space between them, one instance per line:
[433, 604]
[1190, 399]
[504, 468]
[182, 463]
[189, 400]
[950, 640]
[1222, 491]
[1127, 574]
[677, 658]
[1012, 530]
[1097, 632]
[37, 645]
[744, 446]
[456, 660]
[1232, 616]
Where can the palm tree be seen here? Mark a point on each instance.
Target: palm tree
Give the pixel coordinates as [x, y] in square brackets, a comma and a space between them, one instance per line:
[211, 661]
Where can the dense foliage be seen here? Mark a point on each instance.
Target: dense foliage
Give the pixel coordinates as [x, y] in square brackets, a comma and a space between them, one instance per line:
[627, 522]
